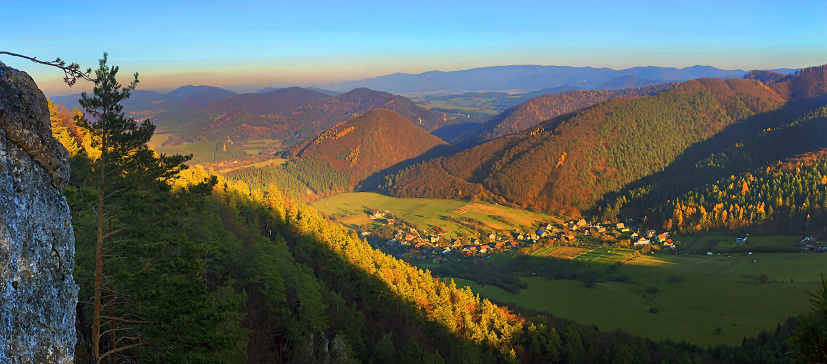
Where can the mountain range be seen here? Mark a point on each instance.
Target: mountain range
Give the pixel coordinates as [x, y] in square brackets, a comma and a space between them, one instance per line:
[570, 163]
[532, 77]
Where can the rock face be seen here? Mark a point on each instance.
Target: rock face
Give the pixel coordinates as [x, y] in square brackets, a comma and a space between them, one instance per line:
[37, 246]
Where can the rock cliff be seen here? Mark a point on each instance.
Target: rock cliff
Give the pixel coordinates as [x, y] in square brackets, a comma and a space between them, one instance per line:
[37, 246]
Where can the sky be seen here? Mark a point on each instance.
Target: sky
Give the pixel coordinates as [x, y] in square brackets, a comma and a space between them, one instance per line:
[248, 45]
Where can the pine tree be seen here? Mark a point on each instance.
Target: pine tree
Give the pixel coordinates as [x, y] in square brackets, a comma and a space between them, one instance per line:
[124, 159]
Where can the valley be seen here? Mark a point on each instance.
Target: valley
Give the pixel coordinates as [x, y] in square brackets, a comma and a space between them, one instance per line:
[605, 209]
[681, 294]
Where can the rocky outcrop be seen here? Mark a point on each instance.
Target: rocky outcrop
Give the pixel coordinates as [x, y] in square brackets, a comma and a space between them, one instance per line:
[37, 293]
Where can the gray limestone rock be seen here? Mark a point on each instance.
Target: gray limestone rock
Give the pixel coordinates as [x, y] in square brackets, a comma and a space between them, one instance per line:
[37, 247]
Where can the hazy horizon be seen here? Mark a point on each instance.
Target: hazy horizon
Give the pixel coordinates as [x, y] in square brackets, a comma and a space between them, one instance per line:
[250, 45]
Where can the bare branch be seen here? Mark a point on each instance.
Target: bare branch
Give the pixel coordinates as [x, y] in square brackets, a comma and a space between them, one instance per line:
[113, 232]
[71, 71]
[126, 321]
[122, 348]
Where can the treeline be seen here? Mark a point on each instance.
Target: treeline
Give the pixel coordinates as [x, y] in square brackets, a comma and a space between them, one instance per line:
[787, 199]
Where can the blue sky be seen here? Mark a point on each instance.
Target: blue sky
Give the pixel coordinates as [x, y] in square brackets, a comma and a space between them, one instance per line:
[246, 45]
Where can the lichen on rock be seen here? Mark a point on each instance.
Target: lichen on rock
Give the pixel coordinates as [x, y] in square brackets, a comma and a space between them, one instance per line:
[37, 293]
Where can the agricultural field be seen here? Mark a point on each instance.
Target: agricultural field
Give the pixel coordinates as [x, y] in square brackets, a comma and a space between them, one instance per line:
[604, 255]
[206, 152]
[274, 162]
[457, 218]
[158, 138]
[691, 296]
[718, 242]
[544, 251]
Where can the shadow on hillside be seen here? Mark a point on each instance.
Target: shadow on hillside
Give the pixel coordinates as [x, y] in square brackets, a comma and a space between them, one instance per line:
[371, 183]
[451, 132]
[390, 318]
[685, 173]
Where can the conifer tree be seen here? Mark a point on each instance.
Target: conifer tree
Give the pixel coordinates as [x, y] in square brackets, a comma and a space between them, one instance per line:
[124, 158]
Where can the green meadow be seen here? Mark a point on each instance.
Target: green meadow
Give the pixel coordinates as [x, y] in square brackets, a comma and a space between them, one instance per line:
[458, 218]
[691, 296]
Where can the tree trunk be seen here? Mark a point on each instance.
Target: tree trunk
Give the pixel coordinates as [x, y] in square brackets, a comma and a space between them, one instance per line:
[96, 308]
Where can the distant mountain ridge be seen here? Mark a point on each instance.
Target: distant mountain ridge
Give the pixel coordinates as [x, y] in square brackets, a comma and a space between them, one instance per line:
[529, 77]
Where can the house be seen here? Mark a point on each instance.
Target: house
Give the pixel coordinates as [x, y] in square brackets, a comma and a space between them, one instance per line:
[620, 226]
[741, 239]
[668, 242]
[499, 244]
[364, 234]
[582, 222]
[549, 227]
[641, 242]
[393, 242]
[446, 251]
[409, 237]
[540, 232]
[377, 215]
[492, 237]
[485, 248]
[514, 244]
[651, 233]
[466, 251]
[457, 243]
[661, 238]
[634, 235]
[520, 237]
[434, 238]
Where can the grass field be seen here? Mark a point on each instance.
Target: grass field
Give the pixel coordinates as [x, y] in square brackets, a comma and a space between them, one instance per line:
[426, 213]
[544, 251]
[695, 295]
[158, 138]
[206, 152]
[605, 255]
[718, 242]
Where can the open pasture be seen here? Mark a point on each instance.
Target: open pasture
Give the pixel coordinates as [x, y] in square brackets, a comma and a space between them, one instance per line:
[456, 217]
[692, 295]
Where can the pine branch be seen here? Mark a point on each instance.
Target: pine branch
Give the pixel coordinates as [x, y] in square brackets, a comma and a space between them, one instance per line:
[71, 71]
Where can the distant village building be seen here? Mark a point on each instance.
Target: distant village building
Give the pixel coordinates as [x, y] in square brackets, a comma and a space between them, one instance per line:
[641, 242]
[741, 239]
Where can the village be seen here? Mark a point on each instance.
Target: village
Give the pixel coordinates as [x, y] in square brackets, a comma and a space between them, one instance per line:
[435, 246]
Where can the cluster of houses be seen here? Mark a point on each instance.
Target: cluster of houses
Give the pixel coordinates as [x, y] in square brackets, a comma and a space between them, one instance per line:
[430, 246]
[811, 243]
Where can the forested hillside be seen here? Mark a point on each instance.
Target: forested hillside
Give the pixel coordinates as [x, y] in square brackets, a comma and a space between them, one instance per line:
[568, 163]
[201, 269]
[542, 108]
[770, 183]
[367, 144]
